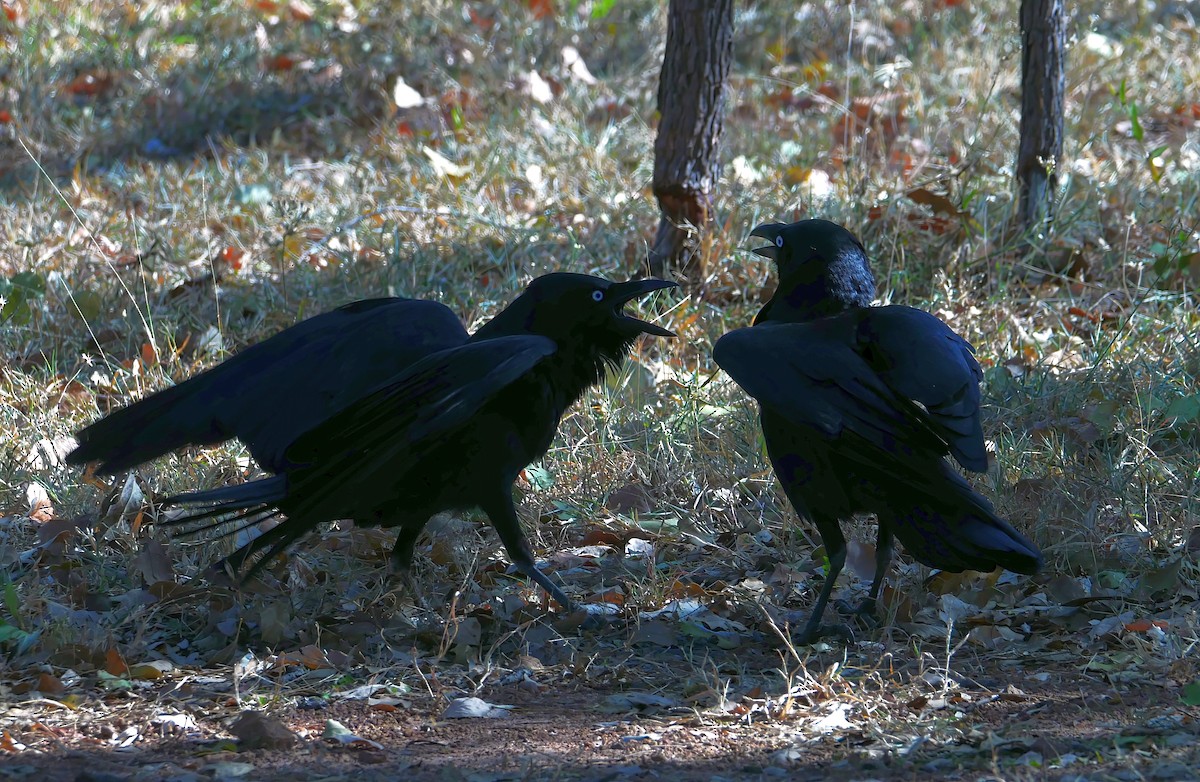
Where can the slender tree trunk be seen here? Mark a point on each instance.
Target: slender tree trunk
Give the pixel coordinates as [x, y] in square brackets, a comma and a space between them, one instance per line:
[1043, 88]
[691, 103]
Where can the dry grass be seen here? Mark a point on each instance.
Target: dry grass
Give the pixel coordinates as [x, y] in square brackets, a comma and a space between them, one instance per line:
[185, 179]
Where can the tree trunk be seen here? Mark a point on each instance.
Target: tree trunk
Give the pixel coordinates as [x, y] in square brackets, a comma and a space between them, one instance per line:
[1043, 87]
[691, 102]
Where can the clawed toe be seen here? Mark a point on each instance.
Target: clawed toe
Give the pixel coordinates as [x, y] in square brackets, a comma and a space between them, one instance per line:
[589, 616]
[864, 610]
[811, 635]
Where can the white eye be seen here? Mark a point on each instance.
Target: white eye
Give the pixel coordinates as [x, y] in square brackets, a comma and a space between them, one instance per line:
[597, 295]
[779, 241]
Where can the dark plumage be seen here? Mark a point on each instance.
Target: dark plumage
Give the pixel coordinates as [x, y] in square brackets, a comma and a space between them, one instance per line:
[860, 405]
[273, 391]
[449, 430]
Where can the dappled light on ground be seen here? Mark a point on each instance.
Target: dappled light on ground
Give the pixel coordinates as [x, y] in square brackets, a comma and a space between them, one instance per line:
[178, 181]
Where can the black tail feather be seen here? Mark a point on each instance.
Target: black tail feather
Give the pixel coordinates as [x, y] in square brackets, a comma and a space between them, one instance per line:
[153, 426]
[251, 504]
[251, 516]
[264, 491]
[965, 542]
[953, 527]
[274, 541]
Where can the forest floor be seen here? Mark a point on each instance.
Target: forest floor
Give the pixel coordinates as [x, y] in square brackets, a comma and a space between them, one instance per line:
[181, 180]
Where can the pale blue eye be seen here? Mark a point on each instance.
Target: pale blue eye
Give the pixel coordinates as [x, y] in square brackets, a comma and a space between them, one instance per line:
[597, 295]
[779, 241]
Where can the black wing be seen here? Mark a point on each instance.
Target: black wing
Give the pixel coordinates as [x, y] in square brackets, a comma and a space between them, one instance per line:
[378, 438]
[273, 391]
[920, 358]
[811, 374]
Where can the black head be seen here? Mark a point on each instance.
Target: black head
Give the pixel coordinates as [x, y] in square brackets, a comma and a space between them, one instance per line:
[565, 307]
[823, 270]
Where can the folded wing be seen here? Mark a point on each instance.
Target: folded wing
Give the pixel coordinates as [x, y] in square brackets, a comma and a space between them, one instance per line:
[810, 374]
[920, 358]
[381, 436]
[895, 376]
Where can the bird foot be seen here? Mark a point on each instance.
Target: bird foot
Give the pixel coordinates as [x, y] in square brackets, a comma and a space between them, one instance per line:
[400, 578]
[864, 610]
[811, 635]
[588, 616]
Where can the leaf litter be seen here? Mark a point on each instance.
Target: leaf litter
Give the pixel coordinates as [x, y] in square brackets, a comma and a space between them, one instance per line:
[114, 638]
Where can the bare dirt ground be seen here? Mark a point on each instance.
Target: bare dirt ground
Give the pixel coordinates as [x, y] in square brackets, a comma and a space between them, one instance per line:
[986, 720]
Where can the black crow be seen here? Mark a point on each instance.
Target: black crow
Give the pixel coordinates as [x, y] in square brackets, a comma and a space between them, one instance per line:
[451, 430]
[860, 405]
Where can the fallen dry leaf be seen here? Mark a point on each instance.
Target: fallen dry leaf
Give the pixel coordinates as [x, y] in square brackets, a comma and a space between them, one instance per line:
[255, 730]
[404, 96]
[468, 708]
[40, 508]
[443, 166]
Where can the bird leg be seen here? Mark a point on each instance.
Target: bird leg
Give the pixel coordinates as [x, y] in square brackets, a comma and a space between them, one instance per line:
[401, 560]
[504, 519]
[884, 543]
[406, 543]
[835, 549]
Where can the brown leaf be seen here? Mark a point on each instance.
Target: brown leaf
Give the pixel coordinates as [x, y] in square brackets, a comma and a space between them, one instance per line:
[938, 203]
[300, 11]
[91, 83]
[53, 535]
[280, 62]
[338, 659]
[50, 684]
[656, 632]
[1193, 542]
[944, 583]
[231, 257]
[1063, 589]
[255, 730]
[1144, 625]
[74, 395]
[600, 536]
[1161, 579]
[542, 9]
[310, 657]
[170, 590]
[114, 663]
[154, 563]
[631, 498]
[40, 508]
[614, 595]
[149, 355]
[680, 588]
[481, 21]
[150, 671]
[1075, 431]
[860, 558]
[273, 621]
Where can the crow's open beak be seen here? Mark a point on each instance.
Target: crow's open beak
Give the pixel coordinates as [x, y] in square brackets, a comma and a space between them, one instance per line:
[622, 293]
[770, 232]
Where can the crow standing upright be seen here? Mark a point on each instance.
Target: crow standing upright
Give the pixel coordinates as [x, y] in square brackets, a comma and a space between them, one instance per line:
[450, 430]
[860, 405]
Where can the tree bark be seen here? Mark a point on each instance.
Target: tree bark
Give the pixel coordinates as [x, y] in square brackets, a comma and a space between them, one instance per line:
[691, 103]
[1043, 89]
